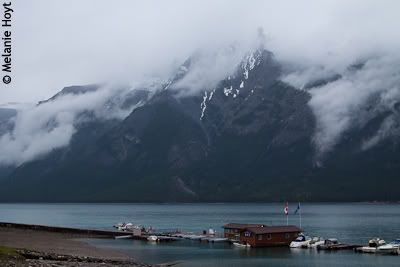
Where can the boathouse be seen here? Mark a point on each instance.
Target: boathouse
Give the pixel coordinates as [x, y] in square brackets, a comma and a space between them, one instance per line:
[232, 230]
[260, 235]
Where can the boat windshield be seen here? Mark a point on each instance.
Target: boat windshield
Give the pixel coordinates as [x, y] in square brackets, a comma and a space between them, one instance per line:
[300, 238]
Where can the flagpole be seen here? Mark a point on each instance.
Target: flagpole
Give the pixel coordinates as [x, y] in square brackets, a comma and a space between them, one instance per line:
[287, 216]
[286, 210]
[300, 215]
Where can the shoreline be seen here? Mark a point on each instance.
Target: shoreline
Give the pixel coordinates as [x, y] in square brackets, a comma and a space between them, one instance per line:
[40, 247]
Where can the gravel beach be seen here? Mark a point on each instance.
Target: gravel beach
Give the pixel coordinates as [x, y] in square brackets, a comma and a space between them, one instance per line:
[25, 247]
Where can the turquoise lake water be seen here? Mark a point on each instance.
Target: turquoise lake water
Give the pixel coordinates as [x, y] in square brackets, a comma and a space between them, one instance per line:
[349, 222]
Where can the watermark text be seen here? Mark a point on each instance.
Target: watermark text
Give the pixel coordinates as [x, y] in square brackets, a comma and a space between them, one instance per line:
[6, 23]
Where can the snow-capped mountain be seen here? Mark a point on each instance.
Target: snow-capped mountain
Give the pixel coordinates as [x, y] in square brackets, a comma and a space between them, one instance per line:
[248, 137]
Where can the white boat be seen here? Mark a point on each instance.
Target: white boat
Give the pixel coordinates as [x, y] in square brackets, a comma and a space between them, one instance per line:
[300, 241]
[315, 242]
[391, 248]
[126, 226]
[152, 238]
[241, 245]
[328, 243]
[211, 232]
[118, 225]
[367, 249]
[373, 246]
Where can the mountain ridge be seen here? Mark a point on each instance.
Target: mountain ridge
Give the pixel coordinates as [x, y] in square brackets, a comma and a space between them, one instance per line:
[250, 138]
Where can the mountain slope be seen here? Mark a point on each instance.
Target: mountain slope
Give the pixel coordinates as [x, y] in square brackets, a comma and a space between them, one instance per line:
[250, 138]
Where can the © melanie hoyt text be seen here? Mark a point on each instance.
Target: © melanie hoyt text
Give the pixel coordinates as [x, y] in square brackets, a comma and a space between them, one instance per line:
[6, 40]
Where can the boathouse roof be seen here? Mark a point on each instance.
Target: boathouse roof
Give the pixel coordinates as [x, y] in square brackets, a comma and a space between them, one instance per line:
[274, 229]
[243, 226]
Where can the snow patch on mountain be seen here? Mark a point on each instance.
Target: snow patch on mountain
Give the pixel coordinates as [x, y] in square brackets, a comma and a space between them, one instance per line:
[250, 61]
[228, 91]
[211, 94]
[203, 105]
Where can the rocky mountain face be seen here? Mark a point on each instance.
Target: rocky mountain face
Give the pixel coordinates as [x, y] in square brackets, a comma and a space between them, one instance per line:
[6, 124]
[248, 139]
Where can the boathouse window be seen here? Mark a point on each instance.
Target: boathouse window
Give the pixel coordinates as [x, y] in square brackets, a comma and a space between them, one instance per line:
[259, 237]
[269, 236]
[247, 234]
[287, 236]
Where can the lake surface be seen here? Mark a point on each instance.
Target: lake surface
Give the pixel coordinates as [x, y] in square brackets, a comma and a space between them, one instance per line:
[349, 222]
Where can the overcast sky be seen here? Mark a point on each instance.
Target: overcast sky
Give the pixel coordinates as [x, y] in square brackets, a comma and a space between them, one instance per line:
[75, 42]
[61, 43]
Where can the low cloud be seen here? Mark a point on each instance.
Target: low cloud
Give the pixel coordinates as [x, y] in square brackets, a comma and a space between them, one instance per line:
[40, 129]
[211, 65]
[344, 103]
[136, 40]
[207, 68]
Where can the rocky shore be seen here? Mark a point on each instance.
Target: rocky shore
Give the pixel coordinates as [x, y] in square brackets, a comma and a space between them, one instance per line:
[34, 248]
[29, 258]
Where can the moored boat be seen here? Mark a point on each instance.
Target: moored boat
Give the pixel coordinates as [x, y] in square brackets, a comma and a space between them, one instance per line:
[377, 245]
[126, 226]
[152, 238]
[315, 242]
[390, 248]
[328, 243]
[241, 245]
[300, 241]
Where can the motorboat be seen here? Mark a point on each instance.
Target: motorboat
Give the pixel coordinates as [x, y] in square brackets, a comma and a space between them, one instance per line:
[152, 238]
[328, 243]
[373, 246]
[390, 248]
[211, 232]
[315, 242]
[300, 241]
[376, 242]
[241, 245]
[125, 226]
[118, 225]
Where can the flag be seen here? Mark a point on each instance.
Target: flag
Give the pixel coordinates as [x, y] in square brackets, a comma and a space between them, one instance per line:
[286, 209]
[297, 209]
